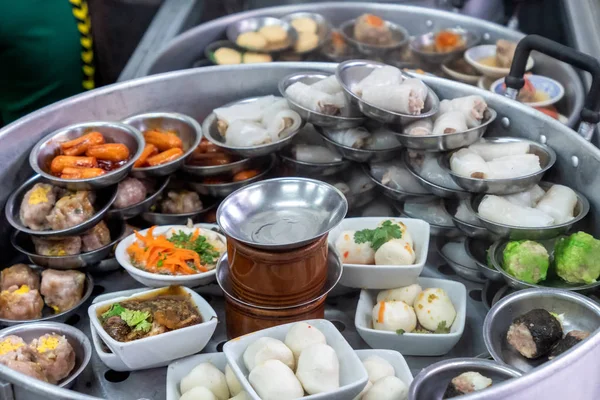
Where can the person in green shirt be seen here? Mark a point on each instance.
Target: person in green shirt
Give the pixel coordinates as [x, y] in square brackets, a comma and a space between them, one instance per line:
[45, 54]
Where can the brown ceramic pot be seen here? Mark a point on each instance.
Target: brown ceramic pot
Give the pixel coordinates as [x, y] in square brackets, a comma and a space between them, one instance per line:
[277, 279]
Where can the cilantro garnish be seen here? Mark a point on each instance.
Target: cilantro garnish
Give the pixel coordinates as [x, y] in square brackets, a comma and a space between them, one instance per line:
[207, 253]
[114, 311]
[133, 318]
[400, 331]
[379, 236]
[442, 328]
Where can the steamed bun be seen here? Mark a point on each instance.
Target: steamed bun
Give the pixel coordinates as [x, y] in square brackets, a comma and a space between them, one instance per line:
[198, 393]
[209, 377]
[394, 315]
[407, 294]
[388, 388]
[354, 253]
[319, 369]
[233, 383]
[302, 335]
[273, 380]
[267, 348]
[378, 368]
[433, 306]
[395, 252]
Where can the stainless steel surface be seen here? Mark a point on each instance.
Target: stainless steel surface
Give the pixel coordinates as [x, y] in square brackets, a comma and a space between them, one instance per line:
[581, 210]
[282, 213]
[358, 155]
[400, 36]
[265, 164]
[156, 218]
[352, 72]
[48, 314]
[351, 116]
[450, 141]
[477, 249]
[186, 128]
[113, 132]
[547, 158]
[293, 167]
[421, 46]
[431, 383]
[216, 170]
[469, 229]
[211, 132]
[323, 27]
[434, 188]
[464, 271]
[395, 194]
[160, 183]
[552, 281]
[104, 199]
[255, 24]
[578, 312]
[77, 339]
[22, 242]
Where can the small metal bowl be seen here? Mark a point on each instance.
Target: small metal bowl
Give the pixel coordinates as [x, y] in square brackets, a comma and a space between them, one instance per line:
[187, 129]
[450, 141]
[578, 312]
[399, 34]
[395, 194]
[533, 233]
[254, 24]
[114, 132]
[468, 228]
[461, 71]
[477, 249]
[48, 313]
[214, 46]
[282, 213]
[23, 243]
[470, 273]
[144, 205]
[553, 281]
[354, 71]
[509, 185]
[351, 118]
[216, 170]
[293, 167]
[434, 187]
[423, 46]
[156, 218]
[431, 383]
[446, 231]
[221, 190]
[104, 199]
[323, 28]
[77, 339]
[209, 127]
[328, 50]
[358, 155]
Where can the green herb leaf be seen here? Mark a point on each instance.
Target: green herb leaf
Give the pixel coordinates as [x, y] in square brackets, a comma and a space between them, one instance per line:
[207, 253]
[114, 310]
[379, 236]
[400, 331]
[133, 318]
[442, 328]
[143, 326]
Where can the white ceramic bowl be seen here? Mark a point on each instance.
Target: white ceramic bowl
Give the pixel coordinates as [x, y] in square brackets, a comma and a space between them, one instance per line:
[414, 344]
[157, 280]
[179, 369]
[384, 276]
[154, 350]
[477, 53]
[553, 89]
[394, 358]
[353, 375]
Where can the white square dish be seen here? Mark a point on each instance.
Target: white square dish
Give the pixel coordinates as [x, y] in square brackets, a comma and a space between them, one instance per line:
[177, 370]
[394, 358]
[384, 276]
[353, 375]
[414, 344]
[154, 350]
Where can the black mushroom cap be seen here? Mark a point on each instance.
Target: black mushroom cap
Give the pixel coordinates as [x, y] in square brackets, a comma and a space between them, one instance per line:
[544, 328]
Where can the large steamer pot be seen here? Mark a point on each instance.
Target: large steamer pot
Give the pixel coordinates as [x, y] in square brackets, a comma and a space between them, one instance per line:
[197, 92]
[187, 49]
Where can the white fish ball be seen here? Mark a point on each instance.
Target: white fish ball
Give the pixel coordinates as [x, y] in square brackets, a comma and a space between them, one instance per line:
[394, 315]
[405, 233]
[267, 348]
[433, 306]
[407, 294]
[395, 252]
[319, 369]
[241, 396]
[233, 383]
[302, 335]
[388, 388]
[208, 376]
[198, 393]
[352, 252]
[378, 368]
[273, 380]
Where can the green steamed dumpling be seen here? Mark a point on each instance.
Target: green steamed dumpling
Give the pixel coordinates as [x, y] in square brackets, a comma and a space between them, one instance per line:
[526, 260]
[577, 258]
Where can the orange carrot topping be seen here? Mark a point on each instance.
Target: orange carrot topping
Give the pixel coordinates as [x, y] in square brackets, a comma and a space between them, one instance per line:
[374, 20]
[381, 312]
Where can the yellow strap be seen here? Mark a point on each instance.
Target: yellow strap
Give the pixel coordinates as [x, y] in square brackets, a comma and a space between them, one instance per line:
[75, 2]
[88, 84]
[88, 70]
[82, 12]
[86, 42]
[84, 27]
[87, 56]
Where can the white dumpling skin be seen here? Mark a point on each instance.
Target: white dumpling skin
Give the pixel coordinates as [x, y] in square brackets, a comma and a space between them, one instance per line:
[378, 368]
[208, 376]
[266, 348]
[388, 388]
[241, 396]
[395, 252]
[273, 380]
[559, 202]
[198, 393]
[367, 387]
[302, 335]
[407, 294]
[319, 369]
[433, 306]
[352, 252]
[233, 383]
[395, 315]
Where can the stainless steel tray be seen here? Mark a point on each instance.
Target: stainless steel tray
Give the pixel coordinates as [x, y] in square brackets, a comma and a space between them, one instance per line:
[186, 49]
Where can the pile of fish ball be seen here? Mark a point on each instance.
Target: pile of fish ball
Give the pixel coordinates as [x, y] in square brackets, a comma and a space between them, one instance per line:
[207, 382]
[383, 383]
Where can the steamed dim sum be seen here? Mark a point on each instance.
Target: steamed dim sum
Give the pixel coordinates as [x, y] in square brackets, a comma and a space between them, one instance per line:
[395, 252]
[388, 388]
[357, 138]
[558, 202]
[382, 139]
[422, 127]
[251, 111]
[432, 172]
[472, 107]
[301, 336]
[527, 198]
[314, 99]
[464, 214]
[267, 348]
[273, 380]
[318, 369]
[352, 252]
[328, 85]
[491, 151]
[282, 124]
[246, 134]
[315, 154]
[469, 164]
[399, 98]
[430, 211]
[359, 182]
[393, 316]
[397, 178]
[450, 122]
[502, 211]
[384, 76]
[418, 86]
[514, 166]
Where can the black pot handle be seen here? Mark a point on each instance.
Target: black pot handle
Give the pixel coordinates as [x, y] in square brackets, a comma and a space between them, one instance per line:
[590, 114]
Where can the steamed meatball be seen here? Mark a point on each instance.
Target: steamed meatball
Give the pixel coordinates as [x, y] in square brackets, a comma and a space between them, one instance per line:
[19, 275]
[55, 355]
[28, 368]
[36, 205]
[181, 202]
[131, 191]
[95, 238]
[71, 210]
[62, 290]
[66, 246]
[394, 316]
[435, 309]
[21, 303]
[14, 348]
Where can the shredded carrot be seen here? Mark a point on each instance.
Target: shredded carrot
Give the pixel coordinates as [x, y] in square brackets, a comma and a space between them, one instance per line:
[381, 312]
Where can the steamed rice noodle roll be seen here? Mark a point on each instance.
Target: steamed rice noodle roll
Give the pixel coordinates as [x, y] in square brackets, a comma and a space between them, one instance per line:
[385, 76]
[491, 151]
[282, 124]
[395, 252]
[393, 316]
[328, 85]
[352, 252]
[208, 376]
[267, 348]
[251, 111]
[434, 307]
[359, 182]
[273, 380]
[502, 211]
[404, 99]
[400, 179]
[246, 134]
[342, 187]
[527, 198]
[467, 163]
[357, 138]
[378, 368]
[418, 86]
[315, 100]
[432, 172]
[404, 229]
[318, 369]
[301, 336]
[559, 202]
[407, 294]
[472, 107]
[388, 388]
[464, 214]
[382, 139]
[514, 166]
[450, 122]
[422, 127]
[315, 154]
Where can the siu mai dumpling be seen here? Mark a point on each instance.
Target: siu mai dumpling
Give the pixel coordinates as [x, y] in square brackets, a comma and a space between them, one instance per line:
[273, 380]
[302, 335]
[371, 29]
[266, 348]
[319, 369]
[352, 252]
[395, 252]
